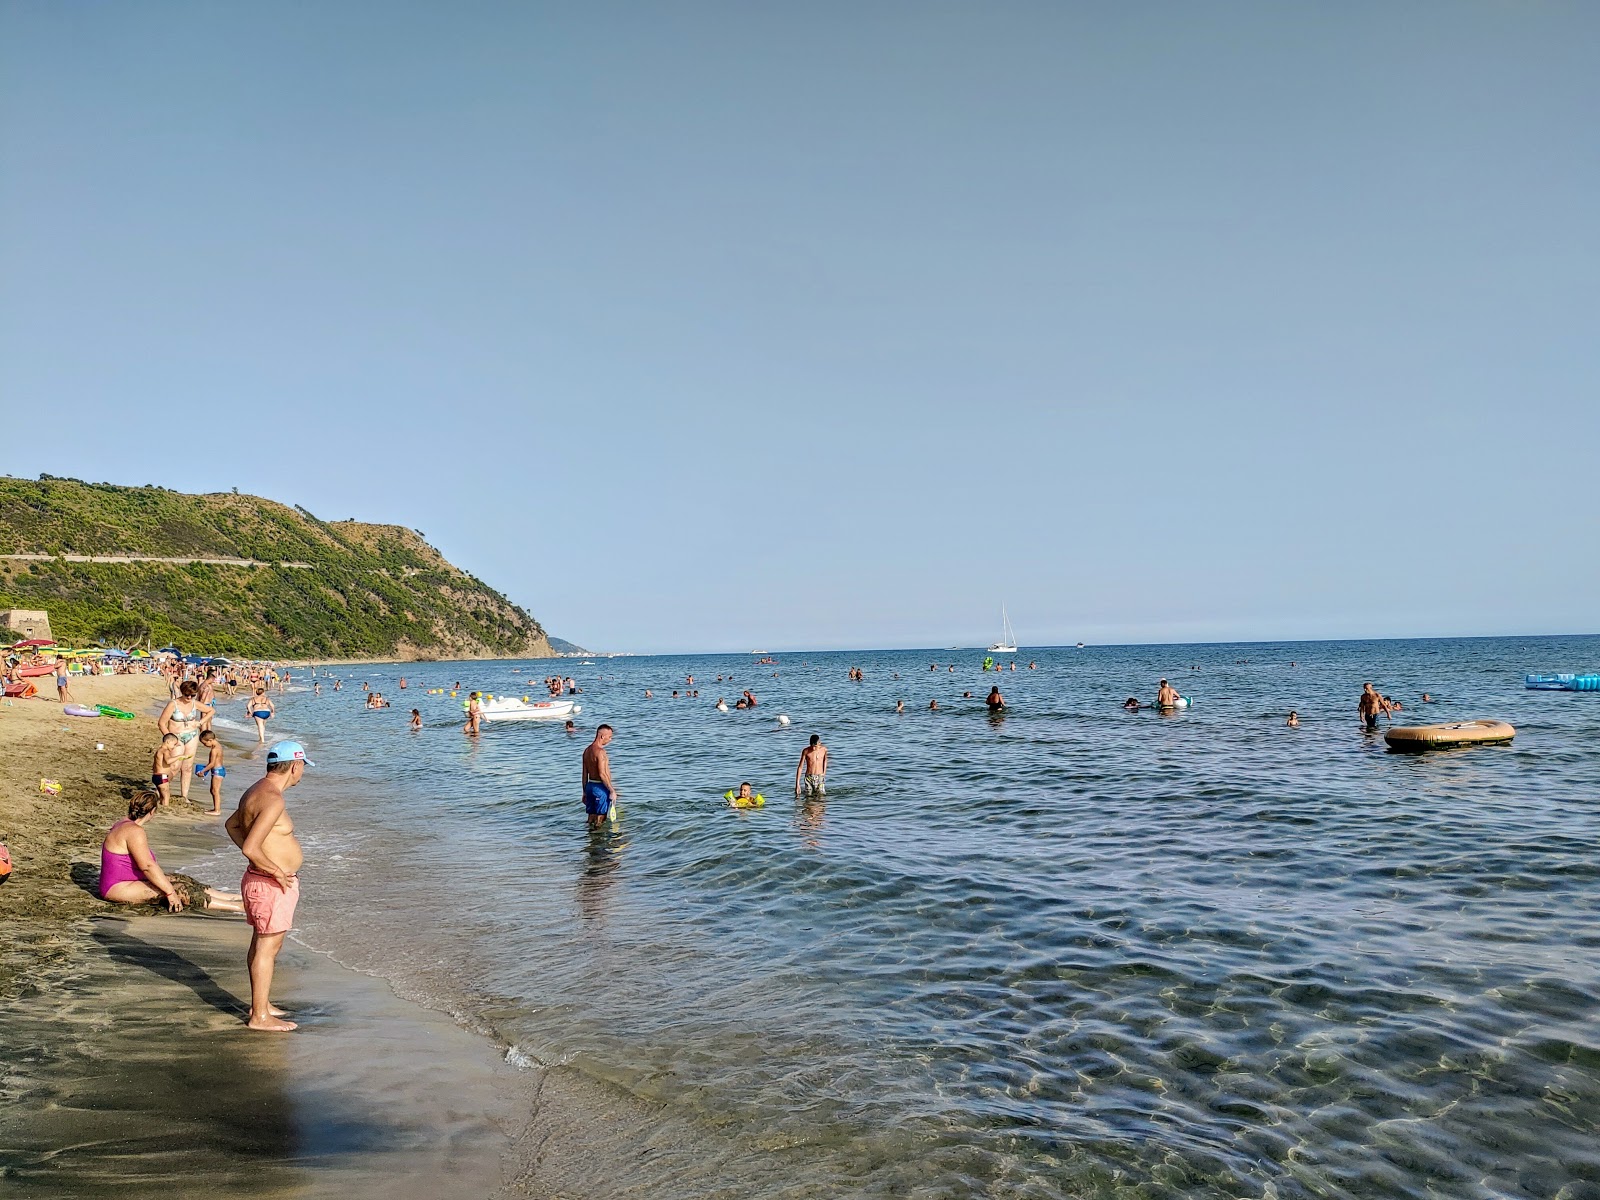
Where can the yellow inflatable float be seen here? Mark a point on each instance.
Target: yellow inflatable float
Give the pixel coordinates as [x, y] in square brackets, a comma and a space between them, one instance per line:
[1457, 733]
[743, 801]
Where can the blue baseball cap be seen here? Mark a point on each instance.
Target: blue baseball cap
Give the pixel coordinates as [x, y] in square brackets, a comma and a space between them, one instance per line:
[283, 752]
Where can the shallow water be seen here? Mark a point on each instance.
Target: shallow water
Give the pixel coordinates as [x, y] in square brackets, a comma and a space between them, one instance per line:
[1067, 952]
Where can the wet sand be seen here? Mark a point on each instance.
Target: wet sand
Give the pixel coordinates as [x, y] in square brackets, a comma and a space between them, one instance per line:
[131, 1074]
[125, 1066]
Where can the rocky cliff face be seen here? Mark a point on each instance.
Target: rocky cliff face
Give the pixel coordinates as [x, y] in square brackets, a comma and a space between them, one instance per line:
[234, 574]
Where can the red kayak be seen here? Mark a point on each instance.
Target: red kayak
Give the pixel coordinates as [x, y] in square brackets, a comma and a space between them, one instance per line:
[32, 672]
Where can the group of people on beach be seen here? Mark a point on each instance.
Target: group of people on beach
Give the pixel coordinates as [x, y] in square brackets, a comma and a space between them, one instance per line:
[268, 891]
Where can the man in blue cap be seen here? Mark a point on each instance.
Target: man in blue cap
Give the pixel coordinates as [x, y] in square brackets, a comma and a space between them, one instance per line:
[261, 828]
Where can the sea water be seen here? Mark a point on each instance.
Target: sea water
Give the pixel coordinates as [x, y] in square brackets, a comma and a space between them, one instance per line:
[1068, 951]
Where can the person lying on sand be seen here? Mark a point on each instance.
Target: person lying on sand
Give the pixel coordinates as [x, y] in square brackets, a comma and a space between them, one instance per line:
[129, 873]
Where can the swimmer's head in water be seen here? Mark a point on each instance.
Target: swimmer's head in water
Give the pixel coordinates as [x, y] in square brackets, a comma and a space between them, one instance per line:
[744, 790]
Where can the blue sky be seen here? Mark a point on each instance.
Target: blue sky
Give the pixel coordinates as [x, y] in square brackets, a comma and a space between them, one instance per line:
[724, 326]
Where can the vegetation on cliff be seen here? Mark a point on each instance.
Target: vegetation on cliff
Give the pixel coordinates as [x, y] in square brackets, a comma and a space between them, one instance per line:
[310, 587]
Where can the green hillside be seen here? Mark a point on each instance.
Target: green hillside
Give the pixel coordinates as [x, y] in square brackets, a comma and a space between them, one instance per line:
[311, 588]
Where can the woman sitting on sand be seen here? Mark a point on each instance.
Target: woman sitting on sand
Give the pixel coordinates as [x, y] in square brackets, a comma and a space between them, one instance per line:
[129, 873]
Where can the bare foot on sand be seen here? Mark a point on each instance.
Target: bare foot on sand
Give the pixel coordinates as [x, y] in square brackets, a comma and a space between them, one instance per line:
[270, 1024]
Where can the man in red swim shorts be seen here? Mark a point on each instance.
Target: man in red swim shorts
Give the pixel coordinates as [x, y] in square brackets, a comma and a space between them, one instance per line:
[271, 888]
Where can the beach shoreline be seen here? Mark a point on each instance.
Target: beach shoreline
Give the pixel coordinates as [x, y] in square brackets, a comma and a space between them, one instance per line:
[128, 1061]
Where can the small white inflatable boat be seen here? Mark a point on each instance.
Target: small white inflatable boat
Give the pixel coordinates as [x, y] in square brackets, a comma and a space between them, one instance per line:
[509, 708]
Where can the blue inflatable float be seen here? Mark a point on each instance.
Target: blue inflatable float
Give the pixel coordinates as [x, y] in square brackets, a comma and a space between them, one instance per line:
[1563, 683]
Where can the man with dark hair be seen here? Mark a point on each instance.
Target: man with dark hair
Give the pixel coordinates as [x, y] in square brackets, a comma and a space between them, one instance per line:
[599, 793]
[1371, 707]
[810, 774]
[261, 828]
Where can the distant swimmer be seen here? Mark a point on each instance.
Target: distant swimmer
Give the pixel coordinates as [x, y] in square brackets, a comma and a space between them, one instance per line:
[811, 772]
[952, 668]
[402, 682]
[996, 701]
[649, 695]
[1033, 666]
[1132, 704]
[416, 719]
[572, 727]
[1166, 696]
[749, 699]
[899, 706]
[599, 793]
[1427, 699]
[1294, 720]
[474, 715]
[1371, 707]
[933, 706]
[722, 705]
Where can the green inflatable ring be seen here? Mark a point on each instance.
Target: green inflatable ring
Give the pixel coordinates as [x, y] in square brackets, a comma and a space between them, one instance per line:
[107, 711]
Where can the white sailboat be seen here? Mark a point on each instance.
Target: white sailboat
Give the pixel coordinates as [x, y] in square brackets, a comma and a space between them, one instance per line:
[1008, 637]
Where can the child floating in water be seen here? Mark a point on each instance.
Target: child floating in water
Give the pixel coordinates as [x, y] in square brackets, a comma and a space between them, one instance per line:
[213, 770]
[1294, 720]
[163, 764]
[744, 798]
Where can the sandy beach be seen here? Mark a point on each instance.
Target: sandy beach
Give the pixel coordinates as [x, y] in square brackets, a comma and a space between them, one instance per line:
[127, 1068]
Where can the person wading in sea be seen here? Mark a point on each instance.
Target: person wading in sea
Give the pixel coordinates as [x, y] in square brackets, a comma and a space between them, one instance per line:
[1371, 707]
[599, 793]
[810, 774]
[262, 830]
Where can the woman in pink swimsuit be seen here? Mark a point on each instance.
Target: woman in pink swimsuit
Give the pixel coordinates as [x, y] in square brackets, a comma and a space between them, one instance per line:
[129, 873]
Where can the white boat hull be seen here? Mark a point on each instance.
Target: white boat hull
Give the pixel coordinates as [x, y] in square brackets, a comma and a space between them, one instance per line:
[1002, 649]
[542, 710]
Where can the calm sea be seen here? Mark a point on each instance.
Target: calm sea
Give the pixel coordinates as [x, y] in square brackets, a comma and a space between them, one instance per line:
[1067, 952]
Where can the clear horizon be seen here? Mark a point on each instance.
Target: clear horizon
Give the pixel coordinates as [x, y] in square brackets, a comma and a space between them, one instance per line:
[740, 327]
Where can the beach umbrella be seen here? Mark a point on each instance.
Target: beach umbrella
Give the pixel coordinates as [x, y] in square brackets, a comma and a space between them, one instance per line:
[32, 642]
[115, 653]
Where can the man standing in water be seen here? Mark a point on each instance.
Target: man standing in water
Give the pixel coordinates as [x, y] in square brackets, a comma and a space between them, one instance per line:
[1371, 706]
[261, 828]
[599, 793]
[1166, 695]
[810, 774]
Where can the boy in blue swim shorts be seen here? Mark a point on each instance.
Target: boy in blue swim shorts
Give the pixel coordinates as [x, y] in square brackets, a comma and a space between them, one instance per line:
[599, 793]
[214, 769]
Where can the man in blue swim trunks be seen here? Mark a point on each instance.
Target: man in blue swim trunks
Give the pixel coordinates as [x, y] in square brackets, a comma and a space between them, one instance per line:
[599, 793]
